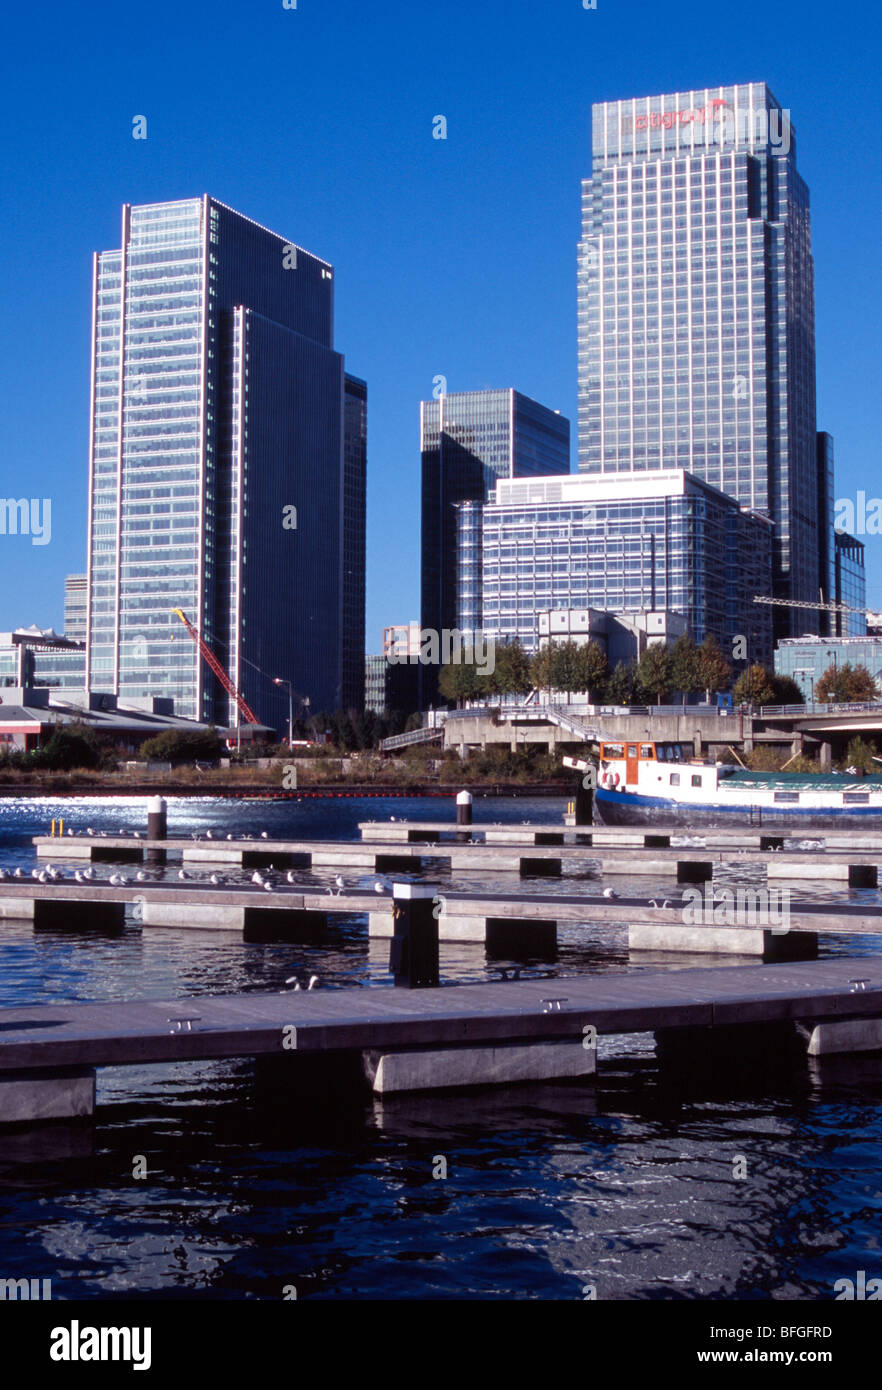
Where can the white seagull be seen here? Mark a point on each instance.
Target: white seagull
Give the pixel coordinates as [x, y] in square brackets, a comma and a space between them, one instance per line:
[610, 893]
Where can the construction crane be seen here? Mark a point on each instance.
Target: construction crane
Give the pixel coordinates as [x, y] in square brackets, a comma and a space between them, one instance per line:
[212, 661]
[818, 605]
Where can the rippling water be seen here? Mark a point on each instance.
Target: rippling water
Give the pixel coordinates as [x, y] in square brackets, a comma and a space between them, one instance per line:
[626, 1185]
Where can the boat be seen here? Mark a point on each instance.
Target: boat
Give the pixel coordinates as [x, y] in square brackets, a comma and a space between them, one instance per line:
[661, 782]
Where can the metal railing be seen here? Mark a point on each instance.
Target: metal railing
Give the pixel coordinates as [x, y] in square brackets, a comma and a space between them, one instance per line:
[388, 745]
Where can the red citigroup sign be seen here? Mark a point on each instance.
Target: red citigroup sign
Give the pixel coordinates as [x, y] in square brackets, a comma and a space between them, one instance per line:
[668, 119]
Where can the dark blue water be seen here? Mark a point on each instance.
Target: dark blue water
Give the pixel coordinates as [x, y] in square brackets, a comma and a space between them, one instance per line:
[626, 1185]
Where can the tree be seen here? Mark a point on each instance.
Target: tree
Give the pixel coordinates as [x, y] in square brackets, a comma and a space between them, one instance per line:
[183, 745]
[71, 745]
[591, 667]
[787, 692]
[861, 753]
[654, 671]
[460, 681]
[714, 671]
[755, 686]
[843, 684]
[619, 688]
[685, 675]
[540, 668]
[511, 675]
[564, 665]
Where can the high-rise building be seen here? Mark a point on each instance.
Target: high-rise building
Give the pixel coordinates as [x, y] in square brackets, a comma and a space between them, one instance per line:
[469, 441]
[220, 478]
[826, 540]
[849, 585]
[650, 543]
[696, 309]
[75, 607]
[354, 542]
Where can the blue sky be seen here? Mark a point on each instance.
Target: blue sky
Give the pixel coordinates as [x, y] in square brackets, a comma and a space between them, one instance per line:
[455, 257]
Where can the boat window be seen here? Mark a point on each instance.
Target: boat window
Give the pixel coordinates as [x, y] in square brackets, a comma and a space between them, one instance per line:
[646, 750]
[696, 779]
[632, 750]
[675, 779]
[613, 750]
[855, 798]
[786, 797]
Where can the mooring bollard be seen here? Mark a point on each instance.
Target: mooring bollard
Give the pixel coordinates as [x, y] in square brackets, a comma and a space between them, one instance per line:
[157, 828]
[463, 814]
[584, 806]
[413, 951]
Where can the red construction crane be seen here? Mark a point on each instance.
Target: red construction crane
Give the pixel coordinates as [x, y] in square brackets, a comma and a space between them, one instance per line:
[212, 661]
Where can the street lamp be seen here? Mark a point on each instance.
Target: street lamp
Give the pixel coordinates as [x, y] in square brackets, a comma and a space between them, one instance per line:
[277, 680]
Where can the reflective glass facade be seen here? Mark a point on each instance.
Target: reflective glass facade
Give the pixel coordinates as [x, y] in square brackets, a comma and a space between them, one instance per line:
[696, 308]
[75, 607]
[666, 543]
[354, 544]
[850, 585]
[217, 403]
[469, 441]
[807, 658]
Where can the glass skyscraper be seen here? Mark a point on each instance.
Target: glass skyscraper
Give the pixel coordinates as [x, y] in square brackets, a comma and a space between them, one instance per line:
[696, 310]
[220, 478]
[469, 441]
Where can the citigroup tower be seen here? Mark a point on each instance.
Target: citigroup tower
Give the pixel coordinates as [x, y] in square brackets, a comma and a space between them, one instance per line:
[696, 309]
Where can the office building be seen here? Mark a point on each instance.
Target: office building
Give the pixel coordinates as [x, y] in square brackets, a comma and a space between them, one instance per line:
[221, 481]
[849, 585]
[354, 542]
[34, 656]
[805, 659]
[402, 640]
[75, 607]
[649, 543]
[696, 310]
[469, 441]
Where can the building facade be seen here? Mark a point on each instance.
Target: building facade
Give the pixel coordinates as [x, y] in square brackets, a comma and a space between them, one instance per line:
[805, 659]
[218, 471]
[354, 540]
[469, 441]
[75, 607]
[696, 310]
[650, 543]
[849, 585]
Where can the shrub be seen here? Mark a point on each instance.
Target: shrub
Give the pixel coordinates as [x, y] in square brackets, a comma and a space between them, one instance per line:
[183, 745]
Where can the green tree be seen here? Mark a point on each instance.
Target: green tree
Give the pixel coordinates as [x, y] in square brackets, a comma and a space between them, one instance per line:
[183, 745]
[541, 668]
[846, 683]
[787, 692]
[619, 688]
[564, 666]
[460, 681]
[591, 667]
[861, 753]
[714, 671]
[70, 745]
[755, 686]
[685, 674]
[654, 671]
[511, 674]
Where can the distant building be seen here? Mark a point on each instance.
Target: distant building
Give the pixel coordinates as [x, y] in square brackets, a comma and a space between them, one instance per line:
[75, 607]
[631, 544]
[806, 658]
[391, 686]
[470, 440]
[696, 310]
[850, 585]
[623, 637]
[34, 656]
[222, 481]
[402, 640]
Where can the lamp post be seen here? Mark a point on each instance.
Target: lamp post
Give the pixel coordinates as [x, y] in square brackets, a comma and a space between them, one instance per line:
[277, 680]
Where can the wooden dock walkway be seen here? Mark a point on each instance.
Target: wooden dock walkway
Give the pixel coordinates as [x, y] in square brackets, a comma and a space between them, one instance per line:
[429, 1033]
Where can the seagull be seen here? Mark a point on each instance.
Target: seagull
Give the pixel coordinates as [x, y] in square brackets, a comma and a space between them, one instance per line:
[610, 893]
[78, 876]
[229, 837]
[208, 835]
[268, 888]
[339, 882]
[290, 876]
[43, 877]
[141, 876]
[214, 879]
[257, 877]
[182, 873]
[379, 887]
[90, 831]
[18, 874]
[313, 981]
[2, 874]
[70, 832]
[35, 873]
[264, 835]
[88, 873]
[117, 880]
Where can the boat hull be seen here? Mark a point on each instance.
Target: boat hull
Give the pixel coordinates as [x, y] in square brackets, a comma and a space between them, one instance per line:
[629, 808]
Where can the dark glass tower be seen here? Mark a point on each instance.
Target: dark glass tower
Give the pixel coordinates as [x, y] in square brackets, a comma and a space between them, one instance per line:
[217, 479]
[696, 310]
[469, 441]
[354, 559]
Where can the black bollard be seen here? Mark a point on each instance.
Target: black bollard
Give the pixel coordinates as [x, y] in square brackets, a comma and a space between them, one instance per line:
[157, 828]
[584, 802]
[463, 815]
[413, 952]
